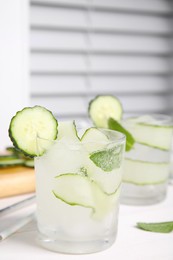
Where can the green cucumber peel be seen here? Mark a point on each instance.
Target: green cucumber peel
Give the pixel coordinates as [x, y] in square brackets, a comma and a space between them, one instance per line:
[160, 227]
[11, 163]
[115, 125]
[68, 197]
[29, 163]
[144, 183]
[72, 203]
[146, 162]
[7, 157]
[107, 160]
[152, 146]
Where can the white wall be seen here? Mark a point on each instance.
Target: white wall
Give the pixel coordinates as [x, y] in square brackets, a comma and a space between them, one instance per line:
[14, 65]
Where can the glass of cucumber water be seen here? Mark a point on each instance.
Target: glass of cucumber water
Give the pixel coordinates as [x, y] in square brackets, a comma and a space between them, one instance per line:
[148, 149]
[78, 182]
[147, 164]
[78, 179]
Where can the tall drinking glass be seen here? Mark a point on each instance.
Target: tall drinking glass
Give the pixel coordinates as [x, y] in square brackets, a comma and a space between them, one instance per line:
[77, 189]
[147, 165]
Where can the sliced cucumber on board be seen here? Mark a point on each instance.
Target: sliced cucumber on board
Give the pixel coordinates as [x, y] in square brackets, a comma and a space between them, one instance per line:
[145, 173]
[29, 163]
[101, 108]
[10, 160]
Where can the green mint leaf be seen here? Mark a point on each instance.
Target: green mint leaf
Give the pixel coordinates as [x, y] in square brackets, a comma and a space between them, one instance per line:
[114, 125]
[162, 227]
[108, 159]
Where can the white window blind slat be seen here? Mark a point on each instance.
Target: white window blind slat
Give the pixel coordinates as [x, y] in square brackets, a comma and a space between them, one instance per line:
[129, 22]
[45, 16]
[76, 85]
[98, 63]
[149, 6]
[58, 17]
[50, 41]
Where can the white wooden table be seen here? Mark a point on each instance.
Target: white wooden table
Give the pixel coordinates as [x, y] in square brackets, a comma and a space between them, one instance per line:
[131, 243]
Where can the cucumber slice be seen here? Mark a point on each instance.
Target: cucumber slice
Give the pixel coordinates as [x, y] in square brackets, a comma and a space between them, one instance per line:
[11, 150]
[10, 160]
[67, 130]
[30, 123]
[157, 136]
[94, 139]
[101, 108]
[75, 190]
[78, 190]
[144, 173]
[29, 163]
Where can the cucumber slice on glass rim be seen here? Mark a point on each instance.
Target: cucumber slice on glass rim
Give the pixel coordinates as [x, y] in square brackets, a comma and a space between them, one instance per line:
[30, 123]
[102, 107]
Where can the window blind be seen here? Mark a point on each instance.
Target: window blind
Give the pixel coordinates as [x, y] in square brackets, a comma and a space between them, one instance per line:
[82, 48]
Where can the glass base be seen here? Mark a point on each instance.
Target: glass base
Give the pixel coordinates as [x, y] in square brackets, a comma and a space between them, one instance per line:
[132, 194]
[75, 247]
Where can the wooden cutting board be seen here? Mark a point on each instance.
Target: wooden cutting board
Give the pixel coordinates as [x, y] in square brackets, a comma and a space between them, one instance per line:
[16, 180]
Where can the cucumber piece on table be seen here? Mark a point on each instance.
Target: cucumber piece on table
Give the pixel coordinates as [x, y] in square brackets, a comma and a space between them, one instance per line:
[101, 108]
[29, 163]
[158, 136]
[145, 173]
[10, 160]
[30, 123]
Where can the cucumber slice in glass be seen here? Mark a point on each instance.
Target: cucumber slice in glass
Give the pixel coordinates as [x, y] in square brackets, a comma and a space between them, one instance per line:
[101, 108]
[67, 130]
[74, 189]
[78, 190]
[149, 132]
[30, 123]
[94, 139]
[145, 173]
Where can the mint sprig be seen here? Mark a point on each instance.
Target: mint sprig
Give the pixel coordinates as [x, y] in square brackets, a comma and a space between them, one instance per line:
[160, 227]
[115, 125]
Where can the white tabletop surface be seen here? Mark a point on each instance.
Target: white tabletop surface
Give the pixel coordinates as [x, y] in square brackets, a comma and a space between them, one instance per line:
[131, 243]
